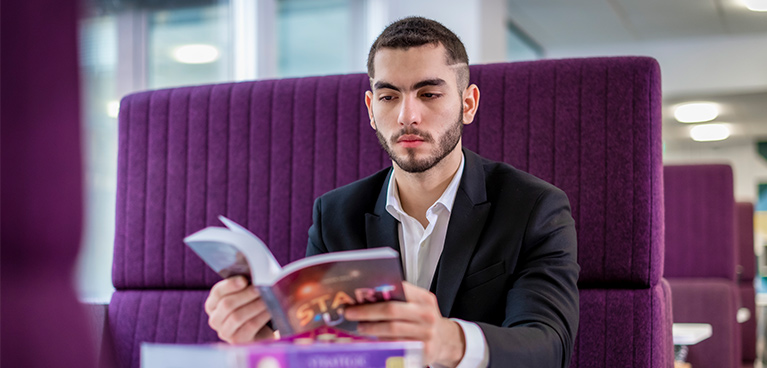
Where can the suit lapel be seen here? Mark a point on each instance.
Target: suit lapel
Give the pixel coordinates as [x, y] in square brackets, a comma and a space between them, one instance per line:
[467, 221]
[380, 226]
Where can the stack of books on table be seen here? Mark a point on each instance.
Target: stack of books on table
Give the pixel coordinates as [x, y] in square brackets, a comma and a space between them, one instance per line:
[321, 348]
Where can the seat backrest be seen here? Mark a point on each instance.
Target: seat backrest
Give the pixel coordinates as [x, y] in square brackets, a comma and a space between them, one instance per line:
[744, 233]
[260, 152]
[700, 234]
[701, 257]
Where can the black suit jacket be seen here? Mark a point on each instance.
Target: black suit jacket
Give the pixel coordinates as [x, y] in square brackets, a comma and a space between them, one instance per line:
[509, 262]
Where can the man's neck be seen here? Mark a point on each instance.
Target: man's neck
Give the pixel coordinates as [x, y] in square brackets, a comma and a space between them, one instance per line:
[419, 191]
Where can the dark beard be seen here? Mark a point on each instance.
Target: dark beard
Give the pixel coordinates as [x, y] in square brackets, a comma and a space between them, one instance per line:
[412, 165]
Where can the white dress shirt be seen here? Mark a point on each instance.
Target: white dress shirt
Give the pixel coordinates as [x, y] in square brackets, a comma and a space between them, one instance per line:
[421, 249]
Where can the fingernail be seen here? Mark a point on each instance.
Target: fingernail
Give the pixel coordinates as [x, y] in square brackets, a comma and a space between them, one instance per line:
[239, 281]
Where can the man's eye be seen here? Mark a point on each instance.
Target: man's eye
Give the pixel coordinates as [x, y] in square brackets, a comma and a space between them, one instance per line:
[430, 95]
[386, 98]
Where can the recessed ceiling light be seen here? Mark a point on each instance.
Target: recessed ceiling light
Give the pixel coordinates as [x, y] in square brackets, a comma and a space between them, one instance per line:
[709, 132]
[195, 54]
[696, 112]
[756, 5]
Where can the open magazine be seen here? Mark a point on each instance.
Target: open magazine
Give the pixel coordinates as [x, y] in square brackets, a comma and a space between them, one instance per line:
[310, 292]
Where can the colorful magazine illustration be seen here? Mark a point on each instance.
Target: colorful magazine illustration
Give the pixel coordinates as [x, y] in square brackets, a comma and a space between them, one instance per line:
[310, 292]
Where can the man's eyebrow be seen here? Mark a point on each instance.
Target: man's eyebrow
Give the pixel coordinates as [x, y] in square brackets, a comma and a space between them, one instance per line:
[380, 85]
[424, 83]
[429, 82]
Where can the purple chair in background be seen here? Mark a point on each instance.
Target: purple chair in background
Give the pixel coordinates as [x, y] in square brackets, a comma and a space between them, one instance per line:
[701, 258]
[746, 272]
[261, 152]
[43, 324]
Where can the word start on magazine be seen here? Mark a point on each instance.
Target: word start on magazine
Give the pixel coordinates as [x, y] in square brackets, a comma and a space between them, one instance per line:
[327, 305]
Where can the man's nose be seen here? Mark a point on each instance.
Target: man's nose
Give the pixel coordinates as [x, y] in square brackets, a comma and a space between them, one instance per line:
[410, 111]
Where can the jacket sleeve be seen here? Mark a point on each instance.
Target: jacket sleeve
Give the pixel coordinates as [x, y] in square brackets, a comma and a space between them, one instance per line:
[316, 245]
[541, 316]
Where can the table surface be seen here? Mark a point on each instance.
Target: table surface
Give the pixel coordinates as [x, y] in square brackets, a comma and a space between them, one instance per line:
[690, 333]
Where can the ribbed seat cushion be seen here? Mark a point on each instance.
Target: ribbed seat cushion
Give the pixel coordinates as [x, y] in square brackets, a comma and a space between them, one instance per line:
[748, 328]
[163, 316]
[712, 301]
[744, 235]
[700, 205]
[260, 152]
[624, 328]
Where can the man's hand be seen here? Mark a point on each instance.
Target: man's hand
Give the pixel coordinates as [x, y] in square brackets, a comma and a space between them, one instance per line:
[237, 312]
[417, 319]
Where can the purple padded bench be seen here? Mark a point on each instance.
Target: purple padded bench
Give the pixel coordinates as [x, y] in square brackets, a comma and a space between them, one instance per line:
[701, 258]
[261, 152]
[746, 272]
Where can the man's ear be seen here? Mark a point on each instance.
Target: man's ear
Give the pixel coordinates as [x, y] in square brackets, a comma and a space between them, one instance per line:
[368, 102]
[470, 103]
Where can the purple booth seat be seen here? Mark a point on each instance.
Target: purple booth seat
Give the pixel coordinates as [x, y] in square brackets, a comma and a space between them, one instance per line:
[43, 324]
[261, 152]
[746, 271]
[701, 257]
[748, 328]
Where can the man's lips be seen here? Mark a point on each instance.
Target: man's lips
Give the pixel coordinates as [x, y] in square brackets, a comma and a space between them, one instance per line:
[410, 141]
[410, 138]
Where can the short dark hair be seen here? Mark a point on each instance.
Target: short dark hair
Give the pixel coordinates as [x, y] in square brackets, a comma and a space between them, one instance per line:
[418, 31]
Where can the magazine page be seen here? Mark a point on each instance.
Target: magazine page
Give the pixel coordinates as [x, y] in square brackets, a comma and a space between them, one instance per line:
[348, 255]
[234, 253]
[270, 262]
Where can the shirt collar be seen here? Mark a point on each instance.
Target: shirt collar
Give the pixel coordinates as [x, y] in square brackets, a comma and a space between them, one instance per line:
[394, 207]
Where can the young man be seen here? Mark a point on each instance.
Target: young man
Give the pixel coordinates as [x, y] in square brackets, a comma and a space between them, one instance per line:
[489, 252]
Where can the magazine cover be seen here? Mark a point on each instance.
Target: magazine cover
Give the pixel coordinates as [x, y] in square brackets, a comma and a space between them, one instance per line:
[317, 295]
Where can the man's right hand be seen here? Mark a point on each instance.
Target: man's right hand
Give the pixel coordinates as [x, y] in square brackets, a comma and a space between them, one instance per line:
[237, 312]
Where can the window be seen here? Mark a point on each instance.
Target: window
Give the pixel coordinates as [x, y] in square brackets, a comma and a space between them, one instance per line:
[123, 50]
[134, 45]
[315, 37]
[519, 46]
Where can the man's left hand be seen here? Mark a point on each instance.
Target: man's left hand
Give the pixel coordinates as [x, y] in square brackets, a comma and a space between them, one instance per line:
[416, 319]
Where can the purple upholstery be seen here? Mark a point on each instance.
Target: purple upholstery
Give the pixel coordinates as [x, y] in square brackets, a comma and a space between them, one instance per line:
[260, 152]
[712, 301]
[748, 328]
[172, 316]
[699, 221]
[43, 324]
[701, 257]
[608, 339]
[744, 234]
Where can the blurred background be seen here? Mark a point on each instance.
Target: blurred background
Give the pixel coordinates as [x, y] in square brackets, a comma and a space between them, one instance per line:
[712, 51]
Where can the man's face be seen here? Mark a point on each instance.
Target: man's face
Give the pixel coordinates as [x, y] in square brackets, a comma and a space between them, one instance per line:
[415, 106]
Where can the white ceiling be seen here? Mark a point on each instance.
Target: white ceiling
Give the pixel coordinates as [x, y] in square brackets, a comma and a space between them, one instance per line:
[711, 50]
[556, 23]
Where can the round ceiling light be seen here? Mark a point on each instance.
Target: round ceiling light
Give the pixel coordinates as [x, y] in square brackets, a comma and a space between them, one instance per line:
[195, 54]
[757, 5]
[709, 132]
[696, 112]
